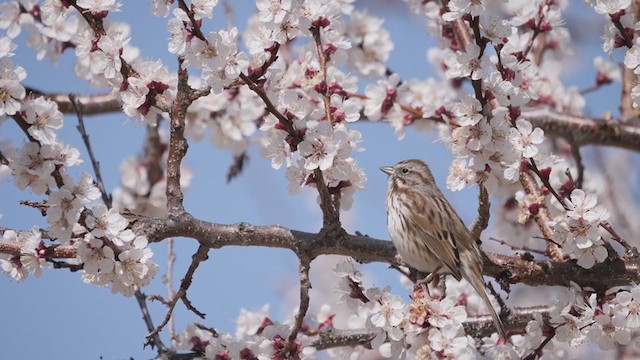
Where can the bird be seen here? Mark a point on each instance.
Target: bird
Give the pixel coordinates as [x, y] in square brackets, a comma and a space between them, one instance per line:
[427, 231]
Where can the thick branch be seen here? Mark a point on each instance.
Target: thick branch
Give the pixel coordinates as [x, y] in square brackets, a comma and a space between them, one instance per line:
[146, 316]
[91, 104]
[178, 143]
[507, 269]
[478, 326]
[580, 130]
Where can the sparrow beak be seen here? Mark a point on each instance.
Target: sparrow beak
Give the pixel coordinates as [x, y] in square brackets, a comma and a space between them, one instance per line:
[387, 170]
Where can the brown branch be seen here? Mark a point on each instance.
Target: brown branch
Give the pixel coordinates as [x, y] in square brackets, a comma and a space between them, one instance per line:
[521, 248]
[322, 59]
[628, 42]
[305, 286]
[177, 142]
[506, 269]
[57, 252]
[199, 256]
[167, 280]
[153, 150]
[575, 151]
[91, 104]
[330, 212]
[194, 23]
[477, 326]
[629, 81]
[236, 168]
[580, 130]
[545, 181]
[269, 107]
[536, 30]
[79, 109]
[484, 206]
[141, 298]
[542, 217]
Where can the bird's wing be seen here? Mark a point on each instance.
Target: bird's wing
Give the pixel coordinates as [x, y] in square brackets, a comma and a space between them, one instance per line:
[439, 241]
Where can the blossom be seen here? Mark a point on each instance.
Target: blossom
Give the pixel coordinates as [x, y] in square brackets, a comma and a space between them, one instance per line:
[320, 147]
[524, 138]
[468, 63]
[102, 222]
[44, 117]
[31, 169]
[457, 8]
[33, 251]
[459, 175]
[63, 204]
[96, 256]
[609, 330]
[607, 71]
[99, 6]
[381, 97]
[610, 6]
[273, 10]
[468, 111]
[11, 91]
[387, 310]
[106, 59]
[249, 322]
[447, 340]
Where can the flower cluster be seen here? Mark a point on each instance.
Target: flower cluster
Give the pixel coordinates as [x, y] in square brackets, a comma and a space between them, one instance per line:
[257, 337]
[579, 229]
[107, 251]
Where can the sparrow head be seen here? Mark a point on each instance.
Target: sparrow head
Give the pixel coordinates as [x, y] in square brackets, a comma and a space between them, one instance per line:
[409, 173]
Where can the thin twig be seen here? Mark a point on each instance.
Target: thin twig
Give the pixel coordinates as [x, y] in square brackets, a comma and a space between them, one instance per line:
[141, 298]
[236, 168]
[209, 329]
[536, 30]
[628, 42]
[521, 248]
[322, 59]
[199, 256]
[537, 353]
[228, 12]
[542, 217]
[77, 106]
[167, 279]
[547, 184]
[575, 151]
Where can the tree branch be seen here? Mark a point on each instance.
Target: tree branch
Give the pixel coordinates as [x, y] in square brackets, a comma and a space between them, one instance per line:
[305, 286]
[542, 217]
[91, 104]
[580, 130]
[484, 206]
[480, 326]
[79, 109]
[199, 256]
[507, 269]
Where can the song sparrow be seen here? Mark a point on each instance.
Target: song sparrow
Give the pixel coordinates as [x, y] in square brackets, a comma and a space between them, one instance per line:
[428, 233]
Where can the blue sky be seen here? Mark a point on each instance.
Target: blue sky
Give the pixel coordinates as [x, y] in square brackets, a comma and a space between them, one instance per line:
[57, 316]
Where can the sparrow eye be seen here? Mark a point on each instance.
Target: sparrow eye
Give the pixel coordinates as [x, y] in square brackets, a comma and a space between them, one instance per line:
[404, 170]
